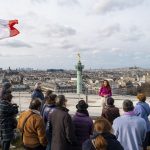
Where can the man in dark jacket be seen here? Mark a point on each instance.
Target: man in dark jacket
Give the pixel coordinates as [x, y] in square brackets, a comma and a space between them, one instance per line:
[63, 136]
[8, 121]
[110, 112]
[37, 93]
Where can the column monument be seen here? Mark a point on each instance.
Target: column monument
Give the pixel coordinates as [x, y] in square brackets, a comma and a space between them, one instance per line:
[79, 68]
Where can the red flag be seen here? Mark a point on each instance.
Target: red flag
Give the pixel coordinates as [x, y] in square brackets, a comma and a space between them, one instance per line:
[7, 28]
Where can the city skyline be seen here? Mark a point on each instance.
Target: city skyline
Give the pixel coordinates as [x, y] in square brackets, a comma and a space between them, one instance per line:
[107, 33]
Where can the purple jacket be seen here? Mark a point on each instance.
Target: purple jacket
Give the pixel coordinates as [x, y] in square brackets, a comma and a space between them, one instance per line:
[83, 127]
[105, 91]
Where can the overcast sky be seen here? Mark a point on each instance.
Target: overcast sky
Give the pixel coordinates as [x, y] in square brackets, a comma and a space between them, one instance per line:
[107, 33]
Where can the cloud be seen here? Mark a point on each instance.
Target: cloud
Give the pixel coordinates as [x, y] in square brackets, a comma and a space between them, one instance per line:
[109, 31]
[87, 49]
[116, 49]
[59, 31]
[40, 44]
[95, 52]
[105, 6]
[133, 34]
[16, 55]
[16, 44]
[4, 55]
[46, 24]
[38, 1]
[132, 38]
[147, 56]
[68, 46]
[67, 2]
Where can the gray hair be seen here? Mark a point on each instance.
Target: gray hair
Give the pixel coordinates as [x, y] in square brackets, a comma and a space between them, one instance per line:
[37, 85]
[128, 105]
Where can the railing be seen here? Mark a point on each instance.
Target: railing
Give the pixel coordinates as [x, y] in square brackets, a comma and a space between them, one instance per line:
[92, 100]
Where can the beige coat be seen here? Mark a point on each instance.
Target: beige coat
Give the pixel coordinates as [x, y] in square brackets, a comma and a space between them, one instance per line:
[34, 129]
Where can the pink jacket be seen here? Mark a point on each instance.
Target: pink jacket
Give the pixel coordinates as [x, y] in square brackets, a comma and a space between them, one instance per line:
[105, 91]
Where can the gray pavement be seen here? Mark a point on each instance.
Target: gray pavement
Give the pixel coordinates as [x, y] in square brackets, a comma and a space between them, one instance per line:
[23, 100]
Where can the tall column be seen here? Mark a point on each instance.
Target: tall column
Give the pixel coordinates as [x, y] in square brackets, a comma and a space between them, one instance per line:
[79, 68]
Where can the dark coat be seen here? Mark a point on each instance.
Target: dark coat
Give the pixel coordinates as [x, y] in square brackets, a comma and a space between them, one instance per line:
[37, 94]
[8, 121]
[112, 143]
[45, 111]
[62, 130]
[83, 127]
[110, 112]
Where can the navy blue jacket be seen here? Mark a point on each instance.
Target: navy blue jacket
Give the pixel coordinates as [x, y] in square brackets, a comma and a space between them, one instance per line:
[111, 141]
[45, 111]
[37, 94]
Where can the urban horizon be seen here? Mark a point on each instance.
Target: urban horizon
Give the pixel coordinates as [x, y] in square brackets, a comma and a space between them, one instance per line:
[63, 68]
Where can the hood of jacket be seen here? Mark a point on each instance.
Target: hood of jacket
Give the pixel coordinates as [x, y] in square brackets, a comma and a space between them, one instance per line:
[106, 135]
[62, 108]
[145, 106]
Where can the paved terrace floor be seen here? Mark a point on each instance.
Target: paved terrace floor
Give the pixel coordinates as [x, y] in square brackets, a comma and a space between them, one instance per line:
[23, 99]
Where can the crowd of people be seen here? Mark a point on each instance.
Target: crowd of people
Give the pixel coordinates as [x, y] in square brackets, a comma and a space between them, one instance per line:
[47, 124]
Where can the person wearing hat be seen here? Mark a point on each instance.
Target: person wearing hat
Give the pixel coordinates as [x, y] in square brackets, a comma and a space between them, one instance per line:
[83, 123]
[61, 127]
[110, 112]
[130, 129]
[142, 109]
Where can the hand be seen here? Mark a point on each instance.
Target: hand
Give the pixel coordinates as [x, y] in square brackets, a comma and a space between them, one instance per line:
[15, 105]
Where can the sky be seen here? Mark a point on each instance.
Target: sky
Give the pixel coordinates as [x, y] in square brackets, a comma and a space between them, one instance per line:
[106, 33]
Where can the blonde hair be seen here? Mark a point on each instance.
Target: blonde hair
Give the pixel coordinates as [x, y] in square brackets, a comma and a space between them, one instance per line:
[99, 143]
[141, 97]
[103, 126]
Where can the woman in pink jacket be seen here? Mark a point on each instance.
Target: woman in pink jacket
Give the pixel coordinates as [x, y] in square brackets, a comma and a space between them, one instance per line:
[105, 92]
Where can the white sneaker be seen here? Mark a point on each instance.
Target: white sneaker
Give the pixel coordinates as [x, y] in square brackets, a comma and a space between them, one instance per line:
[12, 146]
